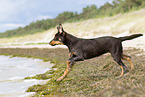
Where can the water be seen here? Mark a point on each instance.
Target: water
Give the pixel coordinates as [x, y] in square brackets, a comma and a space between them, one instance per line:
[14, 70]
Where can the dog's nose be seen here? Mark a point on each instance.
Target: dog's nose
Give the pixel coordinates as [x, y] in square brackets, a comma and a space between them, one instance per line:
[51, 43]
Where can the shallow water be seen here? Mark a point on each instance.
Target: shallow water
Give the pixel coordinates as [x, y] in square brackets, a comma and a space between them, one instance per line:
[14, 70]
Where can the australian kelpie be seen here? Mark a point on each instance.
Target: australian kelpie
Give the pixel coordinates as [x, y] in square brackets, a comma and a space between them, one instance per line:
[81, 49]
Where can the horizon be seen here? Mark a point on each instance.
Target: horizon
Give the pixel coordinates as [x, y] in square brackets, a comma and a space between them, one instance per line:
[17, 13]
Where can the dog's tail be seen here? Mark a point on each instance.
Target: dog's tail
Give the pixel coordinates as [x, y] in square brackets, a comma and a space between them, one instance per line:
[130, 37]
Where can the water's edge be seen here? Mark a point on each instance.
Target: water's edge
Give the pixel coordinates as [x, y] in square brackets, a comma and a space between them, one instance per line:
[15, 69]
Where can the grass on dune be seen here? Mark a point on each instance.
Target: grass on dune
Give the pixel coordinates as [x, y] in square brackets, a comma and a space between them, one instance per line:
[132, 22]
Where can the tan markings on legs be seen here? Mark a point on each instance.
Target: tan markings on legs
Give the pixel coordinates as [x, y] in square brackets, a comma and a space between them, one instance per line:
[67, 62]
[128, 59]
[122, 71]
[66, 72]
[69, 54]
[74, 53]
[124, 57]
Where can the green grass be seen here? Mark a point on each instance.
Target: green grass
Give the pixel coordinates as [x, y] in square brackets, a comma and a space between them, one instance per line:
[96, 77]
[40, 43]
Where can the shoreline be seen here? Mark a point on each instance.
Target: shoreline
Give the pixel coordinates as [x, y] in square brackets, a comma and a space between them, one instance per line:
[15, 69]
[47, 75]
[92, 79]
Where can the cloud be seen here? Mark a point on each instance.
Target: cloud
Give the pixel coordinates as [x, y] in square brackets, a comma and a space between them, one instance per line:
[13, 25]
[27, 11]
[10, 26]
[9, 9]
[43, 17]
[39, 18]
[16, 13]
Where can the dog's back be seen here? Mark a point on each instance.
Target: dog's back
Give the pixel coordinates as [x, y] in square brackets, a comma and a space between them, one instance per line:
[97, 46]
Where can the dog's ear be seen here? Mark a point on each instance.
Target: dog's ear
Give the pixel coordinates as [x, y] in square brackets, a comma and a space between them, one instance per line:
[60, 29]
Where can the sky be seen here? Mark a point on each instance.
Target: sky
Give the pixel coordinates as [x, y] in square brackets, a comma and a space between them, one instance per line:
[19, 13]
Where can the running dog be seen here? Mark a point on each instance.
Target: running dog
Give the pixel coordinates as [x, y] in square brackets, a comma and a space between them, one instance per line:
[81, 49]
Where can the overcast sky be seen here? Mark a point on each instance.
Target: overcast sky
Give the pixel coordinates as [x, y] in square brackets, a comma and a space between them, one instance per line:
[16, 13]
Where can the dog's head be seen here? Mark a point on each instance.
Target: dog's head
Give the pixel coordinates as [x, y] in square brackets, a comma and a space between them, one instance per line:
[59, 36]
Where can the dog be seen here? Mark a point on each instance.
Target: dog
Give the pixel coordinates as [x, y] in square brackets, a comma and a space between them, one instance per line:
[82, 49]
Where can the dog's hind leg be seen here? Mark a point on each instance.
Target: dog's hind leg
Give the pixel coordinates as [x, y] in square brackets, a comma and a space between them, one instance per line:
[128, 58]
[69, 67]
[123, 67]
[117, 57]
[116, 52]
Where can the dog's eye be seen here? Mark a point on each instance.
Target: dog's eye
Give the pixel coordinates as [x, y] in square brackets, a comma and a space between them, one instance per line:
[56, 38]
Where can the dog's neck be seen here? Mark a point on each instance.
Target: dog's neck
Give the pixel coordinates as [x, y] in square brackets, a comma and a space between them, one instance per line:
[70, 40]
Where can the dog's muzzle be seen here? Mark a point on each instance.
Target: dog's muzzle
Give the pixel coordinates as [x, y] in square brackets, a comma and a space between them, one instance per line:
[55, 42]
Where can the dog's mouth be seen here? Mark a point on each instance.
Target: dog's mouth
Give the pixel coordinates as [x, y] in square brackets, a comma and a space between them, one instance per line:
[53, 43]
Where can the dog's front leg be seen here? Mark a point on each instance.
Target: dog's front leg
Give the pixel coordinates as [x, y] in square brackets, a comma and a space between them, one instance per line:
[70, 64]
[69, 67]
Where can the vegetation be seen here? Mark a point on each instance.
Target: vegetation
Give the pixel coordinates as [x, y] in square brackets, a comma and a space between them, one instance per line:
[117, 6]
[95, 77]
